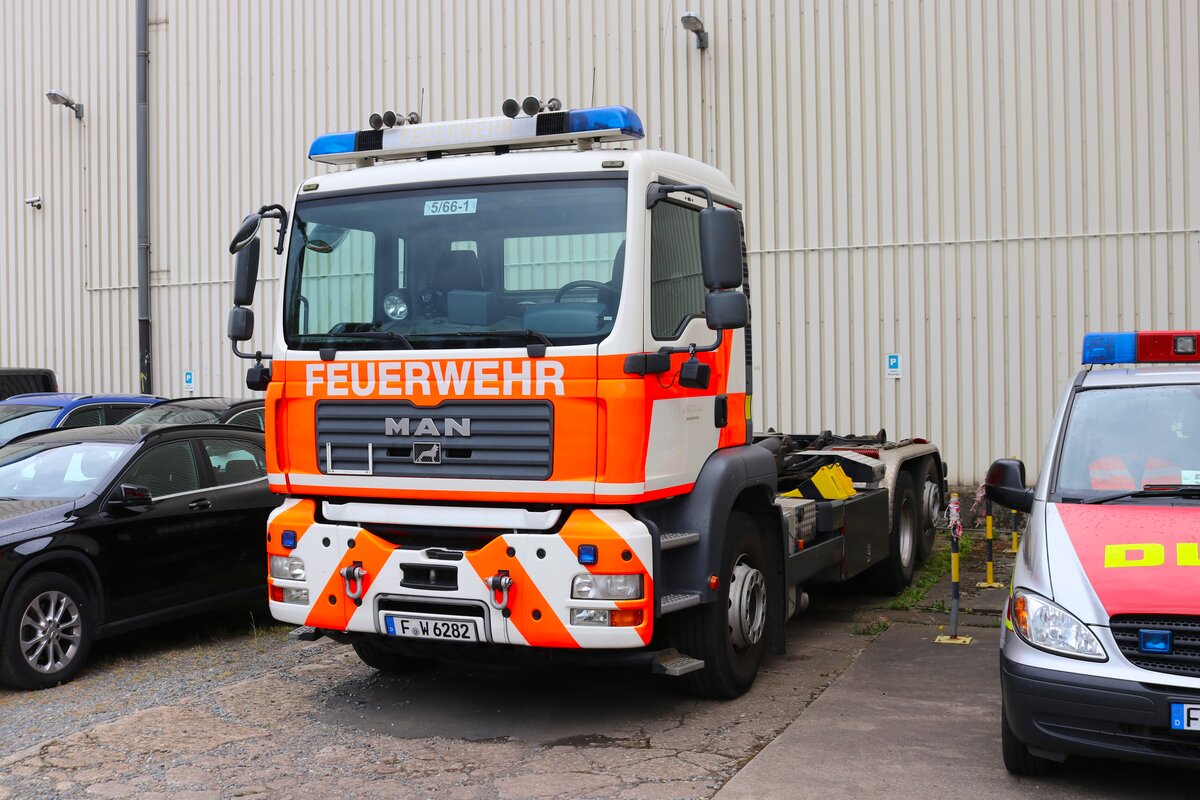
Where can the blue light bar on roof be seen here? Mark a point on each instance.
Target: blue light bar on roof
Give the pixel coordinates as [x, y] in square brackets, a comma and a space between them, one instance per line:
[608, 118]
[548, 128]
[1110, 348]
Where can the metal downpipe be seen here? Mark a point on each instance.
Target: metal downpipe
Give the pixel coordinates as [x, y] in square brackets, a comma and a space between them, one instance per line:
[145, 363]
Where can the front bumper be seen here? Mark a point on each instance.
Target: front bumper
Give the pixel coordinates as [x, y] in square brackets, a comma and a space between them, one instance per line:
[448, 583]
[1063, 712]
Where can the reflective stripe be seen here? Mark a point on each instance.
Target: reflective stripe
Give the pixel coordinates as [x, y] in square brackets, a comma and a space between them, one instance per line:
[1111, 474]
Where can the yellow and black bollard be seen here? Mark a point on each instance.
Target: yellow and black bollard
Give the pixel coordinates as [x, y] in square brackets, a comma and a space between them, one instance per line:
[1016, 536]
[956, 530]
[991, 582]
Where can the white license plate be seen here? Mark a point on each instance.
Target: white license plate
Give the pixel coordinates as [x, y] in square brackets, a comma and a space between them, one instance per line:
[414, 626]
[1185, 716]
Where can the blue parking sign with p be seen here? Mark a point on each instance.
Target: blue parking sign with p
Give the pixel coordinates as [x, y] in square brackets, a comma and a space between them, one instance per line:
[189, 379]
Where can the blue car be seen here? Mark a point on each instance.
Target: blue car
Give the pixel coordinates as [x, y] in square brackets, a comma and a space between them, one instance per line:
[23, 413]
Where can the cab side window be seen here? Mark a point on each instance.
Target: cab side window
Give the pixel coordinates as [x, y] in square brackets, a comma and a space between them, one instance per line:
[165, 470]
[676, 280]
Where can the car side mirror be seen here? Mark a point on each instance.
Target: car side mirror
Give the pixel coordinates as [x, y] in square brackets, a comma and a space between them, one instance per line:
[720, 248]
[245, 276]
[1005, 484]
[131, 496]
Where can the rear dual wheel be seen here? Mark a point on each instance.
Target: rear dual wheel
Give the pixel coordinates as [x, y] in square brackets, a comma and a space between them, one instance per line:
[896, 572]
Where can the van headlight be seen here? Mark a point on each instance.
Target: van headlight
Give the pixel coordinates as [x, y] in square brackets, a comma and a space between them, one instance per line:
[1048, 626]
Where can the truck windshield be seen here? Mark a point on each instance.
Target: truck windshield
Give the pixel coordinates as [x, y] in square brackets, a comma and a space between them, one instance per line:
[464, 266]
[1124, 439]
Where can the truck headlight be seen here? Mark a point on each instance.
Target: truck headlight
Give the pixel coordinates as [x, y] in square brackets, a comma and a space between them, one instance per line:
[287, 567]
[1051, 627]
[606, 587]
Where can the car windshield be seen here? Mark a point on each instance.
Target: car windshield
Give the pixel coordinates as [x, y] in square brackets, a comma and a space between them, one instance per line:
[41, 470]
[172, 415]
[18, 418]
[1127, 438]
[495, 265]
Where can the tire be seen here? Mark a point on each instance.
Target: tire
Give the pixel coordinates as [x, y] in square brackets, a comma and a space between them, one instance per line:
[47, 632]
[386, 659]
[1017, 758]
[730, 633]
[896, 573]
[932, 499]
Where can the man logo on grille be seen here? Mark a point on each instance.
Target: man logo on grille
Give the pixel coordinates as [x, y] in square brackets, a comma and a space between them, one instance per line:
[426, 426]
[427, 453]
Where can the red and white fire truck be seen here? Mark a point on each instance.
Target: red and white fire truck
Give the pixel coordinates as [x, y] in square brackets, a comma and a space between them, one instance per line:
[509, 406]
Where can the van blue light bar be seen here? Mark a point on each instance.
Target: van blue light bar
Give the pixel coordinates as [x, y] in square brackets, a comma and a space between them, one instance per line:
[1141, 347]
[587, 125]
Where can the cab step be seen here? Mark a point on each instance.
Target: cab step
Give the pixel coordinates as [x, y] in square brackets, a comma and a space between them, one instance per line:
[304, 634]
[678, 602]
[669, 541]
[674, 663]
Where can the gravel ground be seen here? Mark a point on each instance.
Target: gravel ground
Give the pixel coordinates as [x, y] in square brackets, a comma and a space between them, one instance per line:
[227, 708]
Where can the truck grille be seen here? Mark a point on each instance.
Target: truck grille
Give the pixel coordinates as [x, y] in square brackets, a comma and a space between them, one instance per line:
[506, 440]
[1184, 658]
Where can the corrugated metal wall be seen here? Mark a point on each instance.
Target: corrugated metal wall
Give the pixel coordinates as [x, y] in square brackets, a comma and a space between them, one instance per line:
[971, 185]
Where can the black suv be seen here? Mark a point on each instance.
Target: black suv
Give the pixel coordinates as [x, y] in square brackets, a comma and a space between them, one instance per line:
[111, 528]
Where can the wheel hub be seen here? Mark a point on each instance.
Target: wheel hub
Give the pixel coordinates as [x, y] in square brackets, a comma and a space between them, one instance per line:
[747, 605]
[50, 632]
[933, 508]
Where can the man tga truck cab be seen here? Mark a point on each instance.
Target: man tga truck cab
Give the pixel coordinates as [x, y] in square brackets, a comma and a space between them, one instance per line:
[509, 407]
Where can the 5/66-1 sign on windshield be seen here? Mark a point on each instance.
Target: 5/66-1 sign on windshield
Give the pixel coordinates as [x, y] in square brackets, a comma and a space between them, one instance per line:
[437, 208]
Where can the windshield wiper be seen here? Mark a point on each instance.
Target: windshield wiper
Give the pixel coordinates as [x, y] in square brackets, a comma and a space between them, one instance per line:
[542, 339]
[1149, 490]
[385, 335]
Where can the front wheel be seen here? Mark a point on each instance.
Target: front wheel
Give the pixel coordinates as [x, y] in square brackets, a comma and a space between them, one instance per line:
[729, 634]
[1017, 758]
[47, 632]
[386, 659]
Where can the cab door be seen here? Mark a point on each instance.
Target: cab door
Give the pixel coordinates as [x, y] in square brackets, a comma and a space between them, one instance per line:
[684, 425]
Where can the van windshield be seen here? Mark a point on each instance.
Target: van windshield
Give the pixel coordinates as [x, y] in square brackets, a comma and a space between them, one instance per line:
[489, 265]
[1126, 438]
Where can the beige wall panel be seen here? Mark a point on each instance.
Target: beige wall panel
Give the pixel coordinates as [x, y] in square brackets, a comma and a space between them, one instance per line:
[972, 185]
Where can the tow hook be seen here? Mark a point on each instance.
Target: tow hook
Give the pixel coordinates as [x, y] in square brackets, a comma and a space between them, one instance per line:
[500, 583]
[354, 576]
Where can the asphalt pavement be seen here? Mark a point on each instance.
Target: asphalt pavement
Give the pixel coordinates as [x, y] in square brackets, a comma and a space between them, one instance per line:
[915, 719]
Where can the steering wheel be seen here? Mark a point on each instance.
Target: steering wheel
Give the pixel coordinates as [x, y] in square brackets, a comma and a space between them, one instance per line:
[601, 288]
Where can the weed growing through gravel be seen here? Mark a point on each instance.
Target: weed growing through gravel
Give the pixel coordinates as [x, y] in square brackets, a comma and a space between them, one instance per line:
[934, 570]
[871, 627]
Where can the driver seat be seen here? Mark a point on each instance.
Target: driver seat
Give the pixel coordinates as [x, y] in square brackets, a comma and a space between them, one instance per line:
[458, 270]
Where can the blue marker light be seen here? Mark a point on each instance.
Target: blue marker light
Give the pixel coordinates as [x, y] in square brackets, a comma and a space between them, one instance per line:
[588, 554]
[621, 118]
[288, 539]
[1154, 641]
[1110, 348]
[332, 144]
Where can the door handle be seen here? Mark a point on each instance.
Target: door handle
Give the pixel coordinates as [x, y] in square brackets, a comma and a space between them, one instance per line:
[202, 504]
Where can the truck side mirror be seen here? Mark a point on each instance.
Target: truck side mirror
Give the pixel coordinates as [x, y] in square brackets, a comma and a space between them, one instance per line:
[720, 248]
[726, 310]
[246, 272]
[246, 232]
[241, 324]
[1005, 484]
